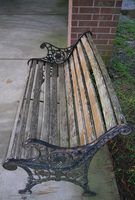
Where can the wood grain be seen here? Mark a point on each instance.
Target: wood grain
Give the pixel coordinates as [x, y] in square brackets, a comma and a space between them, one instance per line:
[101, 86]
[72, 126]
[116, 106]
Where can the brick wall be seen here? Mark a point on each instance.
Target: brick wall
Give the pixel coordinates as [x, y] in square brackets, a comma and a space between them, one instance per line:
[99, 16]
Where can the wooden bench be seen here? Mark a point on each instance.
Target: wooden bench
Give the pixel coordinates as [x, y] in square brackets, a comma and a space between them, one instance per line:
[68, 111]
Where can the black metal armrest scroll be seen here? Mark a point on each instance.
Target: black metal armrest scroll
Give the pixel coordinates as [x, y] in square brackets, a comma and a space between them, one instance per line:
[67, 158]
[55, 54]
[59, 163]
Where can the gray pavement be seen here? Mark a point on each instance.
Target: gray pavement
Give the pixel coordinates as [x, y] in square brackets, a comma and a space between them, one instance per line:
[33, 7]
[21, 35]
[24, 25]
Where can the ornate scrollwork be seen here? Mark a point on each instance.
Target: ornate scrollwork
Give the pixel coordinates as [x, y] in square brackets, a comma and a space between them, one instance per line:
[60, 158]
[58, 163]
[55, 54]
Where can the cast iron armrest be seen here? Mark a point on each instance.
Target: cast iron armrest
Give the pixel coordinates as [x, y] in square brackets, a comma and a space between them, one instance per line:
[55, 54]
[68, 158]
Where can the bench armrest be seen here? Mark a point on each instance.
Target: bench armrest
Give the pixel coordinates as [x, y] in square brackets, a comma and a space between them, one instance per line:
[55, 54]
[68, 158]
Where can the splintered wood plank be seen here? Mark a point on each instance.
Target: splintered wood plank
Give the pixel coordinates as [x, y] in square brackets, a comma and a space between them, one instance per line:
[46, 108]
[18, 119]
[114, 99]
[53, 137]
[96, 118]
[78, 106]
[36, 101]
[40, 119]
[58, 108]
[20, 129]
[72, 126]
[63, 109]
[83, 136]
[101, 86]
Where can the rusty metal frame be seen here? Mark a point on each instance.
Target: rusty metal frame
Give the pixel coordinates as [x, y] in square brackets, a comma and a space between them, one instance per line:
[56, 55]
[58, 163]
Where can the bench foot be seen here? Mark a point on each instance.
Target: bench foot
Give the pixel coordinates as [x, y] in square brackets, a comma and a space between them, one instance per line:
[24, 191]
[31, 181]
[86, 189]
[29, 186]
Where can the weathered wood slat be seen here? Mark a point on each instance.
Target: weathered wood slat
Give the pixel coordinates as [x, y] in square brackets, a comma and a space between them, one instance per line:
[58, 108]
[101, 86]
[17, 125]
[67, 104]
[78, 106]
[40, 119]
[24, 113]
[85, 112]
[46, 108]
[53, 137]
[36, 101]
[96, 118]
[72, 126]
[64, 139]
[114, 99]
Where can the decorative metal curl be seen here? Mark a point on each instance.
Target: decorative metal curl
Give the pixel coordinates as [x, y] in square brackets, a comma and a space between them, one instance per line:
[59, 163]
[61, 158]
[55, 54]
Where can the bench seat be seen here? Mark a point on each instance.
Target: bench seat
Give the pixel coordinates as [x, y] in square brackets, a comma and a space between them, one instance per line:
[68, 111]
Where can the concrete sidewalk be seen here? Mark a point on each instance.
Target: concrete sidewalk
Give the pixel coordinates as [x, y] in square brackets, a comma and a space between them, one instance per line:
[24, 25]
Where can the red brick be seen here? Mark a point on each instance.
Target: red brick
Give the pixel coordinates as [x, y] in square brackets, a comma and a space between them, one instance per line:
[75, 10]
[110, 10]
[111, 42]
[74, 23]
[106, 54]
[105, 36]
[81, 17]
[88, 23]
[102, 17]
[89, 10]
[79, 30]
[82, 2]
[104, 3]
[104, 47]
[74, 36]
[93, 35]
[100, 30]
[119, 4]
[107, 10]
[113, 30]
[117, 11]
[116, 17]
[108, 23]
[100, 41]
[73, 41]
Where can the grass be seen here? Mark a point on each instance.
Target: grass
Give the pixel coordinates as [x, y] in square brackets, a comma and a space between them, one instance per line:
[122, 71]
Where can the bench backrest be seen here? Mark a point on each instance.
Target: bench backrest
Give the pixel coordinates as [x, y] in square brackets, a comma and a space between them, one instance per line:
[90, 92]
[69, 104]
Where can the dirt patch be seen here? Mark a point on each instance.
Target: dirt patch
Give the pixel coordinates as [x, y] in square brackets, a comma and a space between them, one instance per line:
[8, 81]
